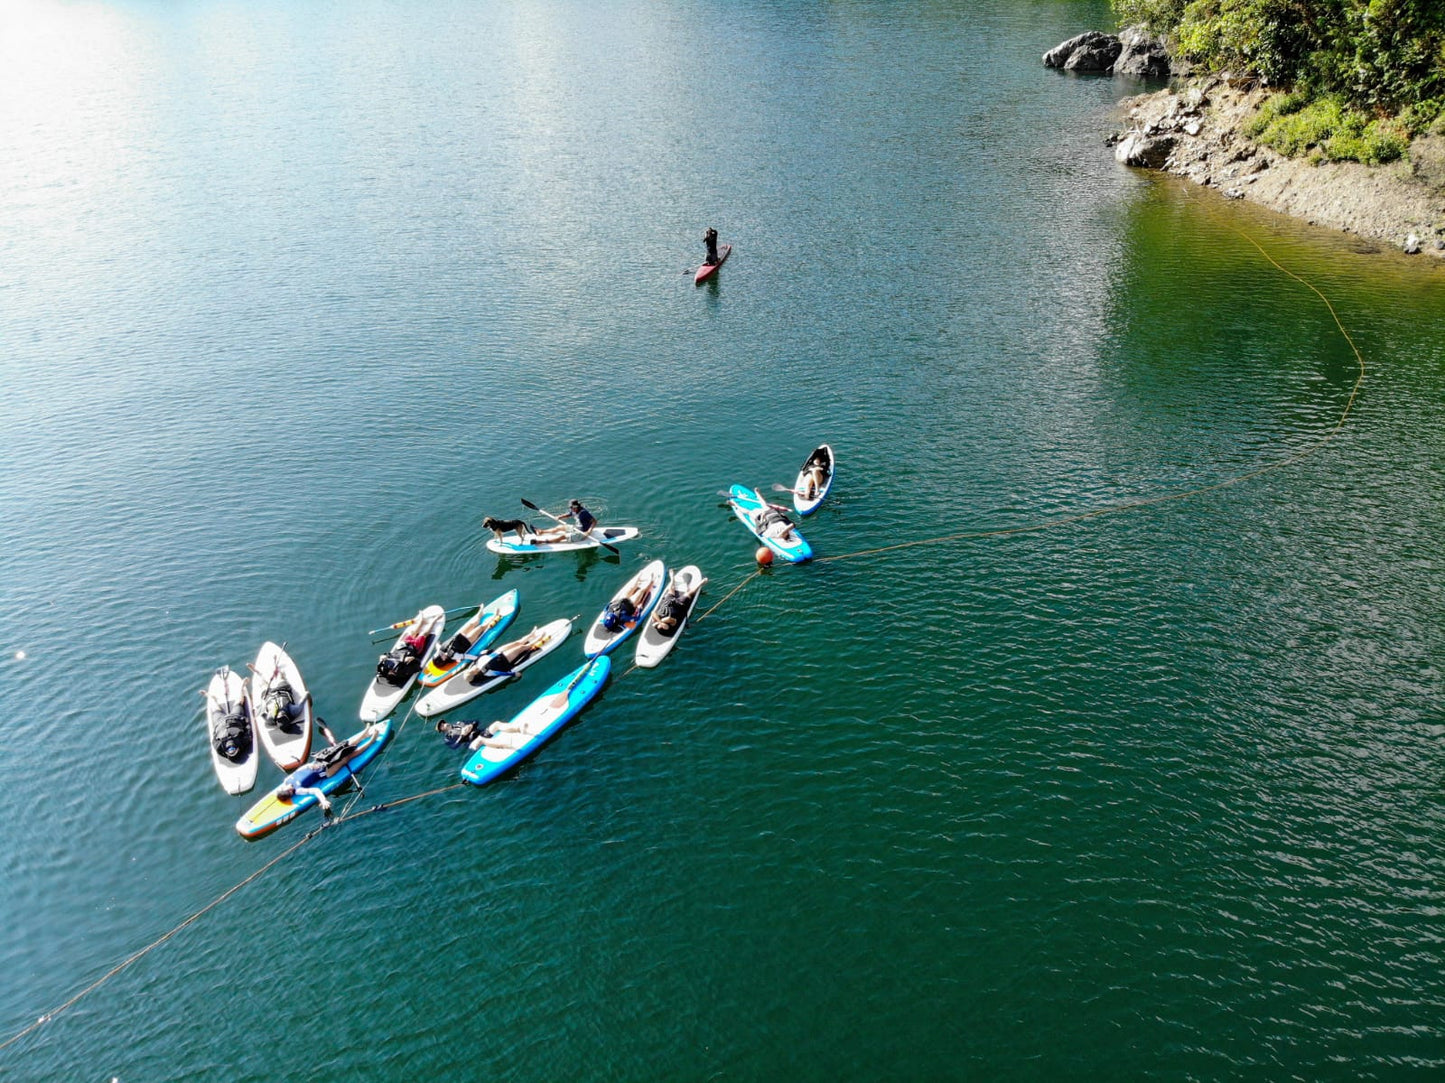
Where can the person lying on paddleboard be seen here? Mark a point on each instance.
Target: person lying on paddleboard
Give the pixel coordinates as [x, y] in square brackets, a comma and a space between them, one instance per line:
[772, 521]
[623, 611]
[457, 734]
[326, 762]
[282, 710]
[585, 522]
[502, 662]
[710, 240]
[672, 610]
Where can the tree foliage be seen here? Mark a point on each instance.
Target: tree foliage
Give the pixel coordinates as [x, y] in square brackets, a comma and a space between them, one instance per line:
[1378, 55]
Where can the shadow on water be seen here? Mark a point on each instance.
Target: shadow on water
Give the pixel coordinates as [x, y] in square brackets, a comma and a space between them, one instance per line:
[587, 559]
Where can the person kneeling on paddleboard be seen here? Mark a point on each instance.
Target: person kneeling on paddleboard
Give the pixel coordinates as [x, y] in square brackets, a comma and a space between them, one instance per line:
[709, 239]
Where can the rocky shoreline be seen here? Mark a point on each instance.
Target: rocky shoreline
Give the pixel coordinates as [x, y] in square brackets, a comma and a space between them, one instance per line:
[1195, 129]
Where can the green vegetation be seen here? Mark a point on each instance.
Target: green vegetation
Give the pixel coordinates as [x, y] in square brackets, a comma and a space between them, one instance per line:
[1326, 130]
[1362, 77]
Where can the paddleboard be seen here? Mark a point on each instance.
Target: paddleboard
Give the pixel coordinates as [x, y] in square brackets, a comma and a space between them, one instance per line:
[748, 505]
[280, 707]
[653, 644]
[810, 503]
[707, 270]
[471, 639]
[538, 722]
[232, 737]
[387, 690]
[612, 535]
[473, 680]
[329, 771]
[600, 638]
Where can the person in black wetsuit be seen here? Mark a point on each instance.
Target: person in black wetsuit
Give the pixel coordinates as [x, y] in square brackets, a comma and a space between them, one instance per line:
[710, 239]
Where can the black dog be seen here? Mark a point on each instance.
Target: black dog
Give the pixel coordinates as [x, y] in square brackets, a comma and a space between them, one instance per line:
[498, 527]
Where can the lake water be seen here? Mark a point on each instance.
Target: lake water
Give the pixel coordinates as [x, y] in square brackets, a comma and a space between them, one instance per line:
[292, 294]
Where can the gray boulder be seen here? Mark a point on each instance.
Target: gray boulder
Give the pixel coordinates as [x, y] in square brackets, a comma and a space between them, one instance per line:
[1141, 55]
[1144, 151]
[1090, 51]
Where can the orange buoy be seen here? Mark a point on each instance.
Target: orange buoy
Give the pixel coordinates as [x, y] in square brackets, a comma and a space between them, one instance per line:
[764, 555]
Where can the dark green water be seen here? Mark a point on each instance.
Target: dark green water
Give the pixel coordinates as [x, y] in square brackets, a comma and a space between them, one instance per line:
[292, 294]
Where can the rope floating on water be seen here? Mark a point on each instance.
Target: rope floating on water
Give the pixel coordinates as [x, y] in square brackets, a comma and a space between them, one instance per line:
[1130, 505]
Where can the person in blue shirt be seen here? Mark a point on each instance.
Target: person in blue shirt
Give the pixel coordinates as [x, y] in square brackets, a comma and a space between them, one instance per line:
[584, 518]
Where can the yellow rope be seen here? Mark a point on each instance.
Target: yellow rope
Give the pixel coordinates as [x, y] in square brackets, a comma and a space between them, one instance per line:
[1152, 501]
[347, 815]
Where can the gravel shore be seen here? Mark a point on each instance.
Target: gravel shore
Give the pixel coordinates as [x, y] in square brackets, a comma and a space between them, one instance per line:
[1195, 130]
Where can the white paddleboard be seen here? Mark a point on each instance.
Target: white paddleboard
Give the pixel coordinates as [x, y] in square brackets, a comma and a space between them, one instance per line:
[601, 639]
[612, 535]
[461, 688]
[652, 644]
[383, 694]
[231, 734]
[280, 707]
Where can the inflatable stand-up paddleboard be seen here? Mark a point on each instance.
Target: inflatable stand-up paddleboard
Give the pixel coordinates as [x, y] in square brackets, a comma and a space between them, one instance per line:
[653, 644]
[478, 676]
[235, 753]
[707, 270]
[280, 707]
[471, 639]
[750, 507]
[514, 544]
[330, 770]
[600, 637]
[399, 667]
[537, 723]
[808, 497]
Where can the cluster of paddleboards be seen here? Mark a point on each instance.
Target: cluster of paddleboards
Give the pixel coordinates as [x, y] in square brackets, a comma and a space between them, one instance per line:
[271, 710]
[269, 713]
[770, 523]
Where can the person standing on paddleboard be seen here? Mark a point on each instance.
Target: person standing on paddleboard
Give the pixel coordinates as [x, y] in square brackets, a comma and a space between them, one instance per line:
[710, 240]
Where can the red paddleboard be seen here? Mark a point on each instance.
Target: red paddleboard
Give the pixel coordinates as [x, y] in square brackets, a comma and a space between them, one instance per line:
[707, 270]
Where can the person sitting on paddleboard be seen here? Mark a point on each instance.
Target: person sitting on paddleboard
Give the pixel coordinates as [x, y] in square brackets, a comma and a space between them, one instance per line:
[710, 239]
[815, 473]
[585, 522]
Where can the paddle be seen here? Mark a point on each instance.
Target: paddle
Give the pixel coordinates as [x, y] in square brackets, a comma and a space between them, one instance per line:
[560, 699]
[561, 522]
[412, 620]
[778, 487]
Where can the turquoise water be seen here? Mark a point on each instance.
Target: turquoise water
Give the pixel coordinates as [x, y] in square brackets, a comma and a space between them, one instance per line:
[293, 294]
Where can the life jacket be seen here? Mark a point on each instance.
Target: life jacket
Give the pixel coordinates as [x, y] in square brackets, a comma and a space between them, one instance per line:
[233, 738]
[617, 614]
[399, 663]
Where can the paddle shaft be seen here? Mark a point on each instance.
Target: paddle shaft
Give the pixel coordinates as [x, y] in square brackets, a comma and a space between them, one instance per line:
[561, 522]
[412, 620]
